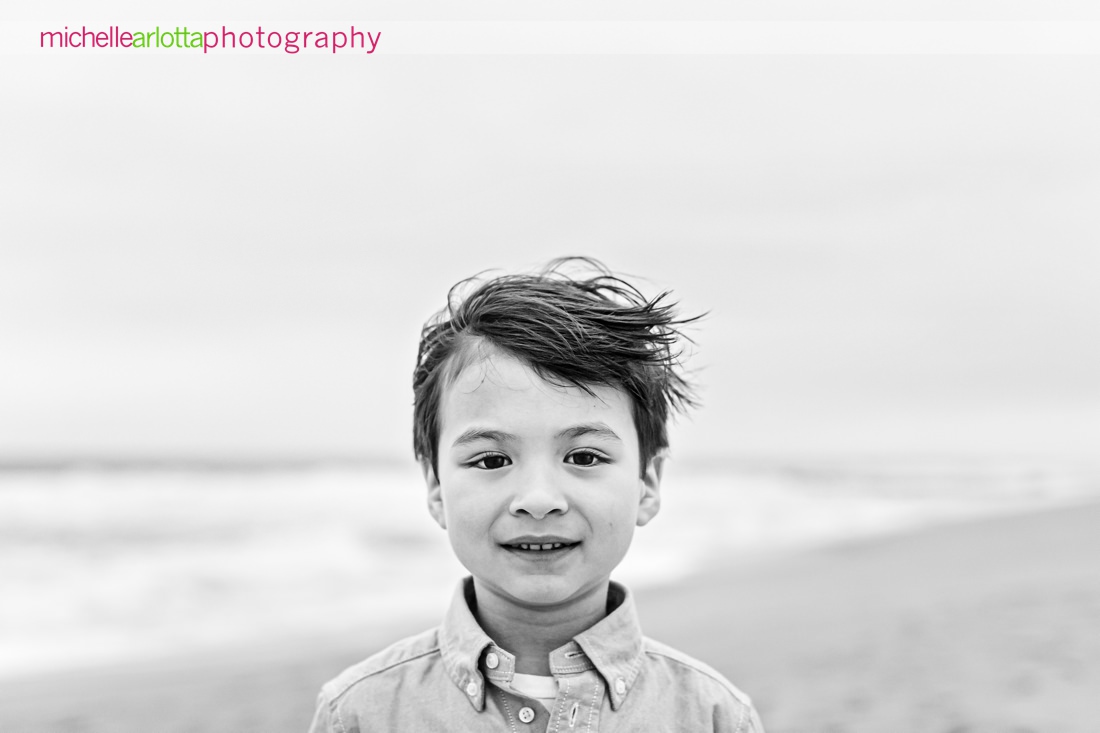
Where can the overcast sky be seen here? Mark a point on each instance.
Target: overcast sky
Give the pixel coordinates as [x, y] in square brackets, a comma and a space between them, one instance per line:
[233, 256]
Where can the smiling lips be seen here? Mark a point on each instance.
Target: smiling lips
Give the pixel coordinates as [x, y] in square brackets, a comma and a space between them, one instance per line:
[539, 544]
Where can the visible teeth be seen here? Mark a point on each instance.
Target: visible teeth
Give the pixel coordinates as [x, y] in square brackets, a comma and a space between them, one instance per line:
[542, 547]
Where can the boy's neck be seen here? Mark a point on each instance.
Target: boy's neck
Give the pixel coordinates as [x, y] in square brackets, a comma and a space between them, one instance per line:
[530, 634]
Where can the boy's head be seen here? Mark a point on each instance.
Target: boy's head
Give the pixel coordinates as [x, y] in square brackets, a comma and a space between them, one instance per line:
[585, 331]
[541, 410]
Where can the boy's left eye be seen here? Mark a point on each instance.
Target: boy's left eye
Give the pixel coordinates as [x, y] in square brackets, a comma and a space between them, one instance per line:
[585, 458]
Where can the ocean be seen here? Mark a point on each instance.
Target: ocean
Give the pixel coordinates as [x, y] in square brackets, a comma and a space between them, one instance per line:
[100, 565]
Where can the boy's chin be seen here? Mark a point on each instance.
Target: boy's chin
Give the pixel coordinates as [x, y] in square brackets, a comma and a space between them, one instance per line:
[545, 593]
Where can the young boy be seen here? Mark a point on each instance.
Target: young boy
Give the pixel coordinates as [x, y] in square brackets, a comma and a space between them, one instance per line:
[541, 404]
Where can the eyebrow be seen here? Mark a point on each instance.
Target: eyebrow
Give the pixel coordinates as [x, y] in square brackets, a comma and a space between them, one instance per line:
[475, 434]
[598, 430]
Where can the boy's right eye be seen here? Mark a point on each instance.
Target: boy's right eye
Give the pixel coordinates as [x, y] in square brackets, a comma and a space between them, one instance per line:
[492, 461]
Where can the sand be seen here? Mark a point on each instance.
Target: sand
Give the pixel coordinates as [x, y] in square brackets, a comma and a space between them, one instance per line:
[992, 625]
[989, 626]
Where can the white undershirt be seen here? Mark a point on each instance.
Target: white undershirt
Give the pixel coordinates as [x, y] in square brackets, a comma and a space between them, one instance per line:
[543, 689]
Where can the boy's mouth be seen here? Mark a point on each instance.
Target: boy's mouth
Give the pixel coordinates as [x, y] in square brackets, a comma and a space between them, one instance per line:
[543, 547]
[539, 545]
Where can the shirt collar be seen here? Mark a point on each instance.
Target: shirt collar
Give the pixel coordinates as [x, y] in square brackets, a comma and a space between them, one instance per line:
[613, 647]
[461, 642]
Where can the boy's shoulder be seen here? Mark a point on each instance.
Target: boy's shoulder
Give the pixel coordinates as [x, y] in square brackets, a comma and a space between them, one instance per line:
[683, 669]
[408, 651]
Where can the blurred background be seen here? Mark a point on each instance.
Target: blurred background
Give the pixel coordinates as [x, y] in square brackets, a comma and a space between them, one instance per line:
[213, 272]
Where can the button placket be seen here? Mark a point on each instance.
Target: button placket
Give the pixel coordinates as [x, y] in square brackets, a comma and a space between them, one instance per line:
[578, 704]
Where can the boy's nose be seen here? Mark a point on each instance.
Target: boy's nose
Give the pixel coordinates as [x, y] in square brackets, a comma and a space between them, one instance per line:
[538, 499]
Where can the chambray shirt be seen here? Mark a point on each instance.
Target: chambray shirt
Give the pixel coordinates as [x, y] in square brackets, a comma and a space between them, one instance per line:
[610, 678]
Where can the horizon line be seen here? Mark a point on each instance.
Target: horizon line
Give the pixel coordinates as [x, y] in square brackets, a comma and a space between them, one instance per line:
[305, 462]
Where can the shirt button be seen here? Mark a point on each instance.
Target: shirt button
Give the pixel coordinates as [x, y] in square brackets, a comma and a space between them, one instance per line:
[471, 689]
[492, 660]
[526, 715]
[620, 686]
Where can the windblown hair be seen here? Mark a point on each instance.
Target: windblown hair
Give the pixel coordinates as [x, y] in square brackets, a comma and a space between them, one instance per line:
[571, 330]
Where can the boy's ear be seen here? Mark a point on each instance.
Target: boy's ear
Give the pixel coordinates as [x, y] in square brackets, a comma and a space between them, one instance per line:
[435, 494]
[651, 488]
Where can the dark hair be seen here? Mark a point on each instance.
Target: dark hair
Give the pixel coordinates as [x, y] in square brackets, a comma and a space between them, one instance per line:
[595, 330]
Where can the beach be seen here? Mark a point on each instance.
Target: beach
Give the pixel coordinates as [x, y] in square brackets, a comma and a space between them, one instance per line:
[974, 625]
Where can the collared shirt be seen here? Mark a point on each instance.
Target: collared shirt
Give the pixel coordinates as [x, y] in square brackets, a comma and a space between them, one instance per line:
[610, 678]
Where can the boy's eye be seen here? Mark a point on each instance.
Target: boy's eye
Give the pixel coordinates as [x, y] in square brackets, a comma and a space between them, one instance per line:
[585, 458]
[492, 461]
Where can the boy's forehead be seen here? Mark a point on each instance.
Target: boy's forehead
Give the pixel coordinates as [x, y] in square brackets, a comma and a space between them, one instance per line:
[491, 366]
[497, 383]
[495, 371]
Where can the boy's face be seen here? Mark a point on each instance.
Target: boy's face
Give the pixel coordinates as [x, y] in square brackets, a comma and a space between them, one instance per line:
[523, 462]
